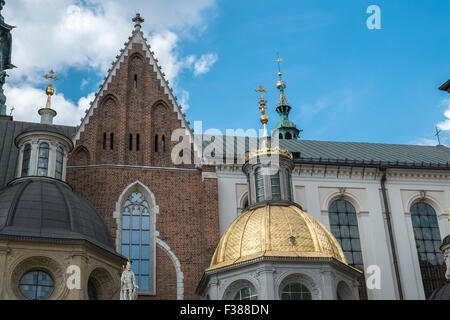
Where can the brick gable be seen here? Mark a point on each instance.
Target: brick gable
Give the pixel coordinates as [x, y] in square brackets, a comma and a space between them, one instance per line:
[136, 100]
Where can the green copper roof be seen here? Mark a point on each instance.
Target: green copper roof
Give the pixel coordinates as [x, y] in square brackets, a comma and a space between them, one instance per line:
[285, 128]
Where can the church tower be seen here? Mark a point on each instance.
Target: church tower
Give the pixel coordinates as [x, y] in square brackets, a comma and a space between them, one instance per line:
[285, 128]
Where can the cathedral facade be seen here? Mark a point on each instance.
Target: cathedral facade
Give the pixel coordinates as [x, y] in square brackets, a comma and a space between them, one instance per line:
[109, 190]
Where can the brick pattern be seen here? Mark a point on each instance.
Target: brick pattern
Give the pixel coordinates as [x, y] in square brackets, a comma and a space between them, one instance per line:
[166, 277]
[188, 218]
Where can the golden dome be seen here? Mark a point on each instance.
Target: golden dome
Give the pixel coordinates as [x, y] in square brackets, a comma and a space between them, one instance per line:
[275, 231]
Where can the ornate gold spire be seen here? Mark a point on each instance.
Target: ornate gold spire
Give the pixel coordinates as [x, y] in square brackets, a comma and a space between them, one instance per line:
[262, 106]
[50, 91]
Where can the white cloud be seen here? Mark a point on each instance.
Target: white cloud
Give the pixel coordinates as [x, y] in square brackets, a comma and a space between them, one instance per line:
[27, 100]
[184, 100]
[204, 64]
[88, 34]
[445, 125]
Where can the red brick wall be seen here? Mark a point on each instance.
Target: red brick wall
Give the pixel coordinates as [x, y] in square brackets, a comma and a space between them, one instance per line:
[188, 218]
[166, 278]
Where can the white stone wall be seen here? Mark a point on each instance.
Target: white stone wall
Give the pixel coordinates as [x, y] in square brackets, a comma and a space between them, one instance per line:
[315, 188]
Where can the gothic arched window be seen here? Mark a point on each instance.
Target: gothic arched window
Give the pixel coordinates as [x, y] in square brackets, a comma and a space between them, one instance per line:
[428, 241]
[42, 168]
[156, 143]
[59, 163]
[136, 237]
[288, 136]
[26, 160]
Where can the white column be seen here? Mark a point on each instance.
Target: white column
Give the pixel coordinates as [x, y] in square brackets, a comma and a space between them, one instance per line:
[405, 244]
[375, 245]
[34, 158]
[19, 162]
[227, 202]
[329, 286]
[267, 283]
[52, 159]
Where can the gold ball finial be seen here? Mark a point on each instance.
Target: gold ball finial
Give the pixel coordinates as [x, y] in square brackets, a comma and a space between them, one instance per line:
[262, 106]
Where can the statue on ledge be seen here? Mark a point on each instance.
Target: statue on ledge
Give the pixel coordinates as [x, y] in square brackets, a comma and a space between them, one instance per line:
[128, 287]
[5, 56]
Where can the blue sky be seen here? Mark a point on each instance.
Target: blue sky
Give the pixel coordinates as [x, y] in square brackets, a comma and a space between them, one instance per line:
[344, 81]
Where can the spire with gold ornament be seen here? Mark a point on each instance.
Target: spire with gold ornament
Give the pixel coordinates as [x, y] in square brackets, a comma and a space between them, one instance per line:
[47, 114]
[274, 233]
[285, 128]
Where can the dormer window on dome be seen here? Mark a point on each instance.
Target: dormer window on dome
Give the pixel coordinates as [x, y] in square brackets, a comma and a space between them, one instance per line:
[44, 147]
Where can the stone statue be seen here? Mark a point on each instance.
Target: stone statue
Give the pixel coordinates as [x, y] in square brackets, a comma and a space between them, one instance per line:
[128, 287]
[5, 56]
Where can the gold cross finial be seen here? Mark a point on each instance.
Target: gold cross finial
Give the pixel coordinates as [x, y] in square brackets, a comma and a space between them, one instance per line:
[50, 91]
[262, 106]
[262, 90]
[279, 61]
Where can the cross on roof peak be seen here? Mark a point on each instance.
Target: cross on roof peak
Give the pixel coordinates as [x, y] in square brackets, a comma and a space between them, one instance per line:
[138, 20]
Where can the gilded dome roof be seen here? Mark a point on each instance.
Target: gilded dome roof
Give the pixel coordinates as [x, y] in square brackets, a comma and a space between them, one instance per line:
[275, 231]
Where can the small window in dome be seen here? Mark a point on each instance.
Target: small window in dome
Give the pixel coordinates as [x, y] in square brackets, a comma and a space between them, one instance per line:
[92, 290]
[276, 189]
[59, 163]
[26, 160]
[248, 293]
[36, 285]
[295, 291]
[259, 178]
[43, 159]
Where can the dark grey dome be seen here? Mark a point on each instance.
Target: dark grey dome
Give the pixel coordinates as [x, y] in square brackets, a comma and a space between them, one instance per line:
[443, 293]
[45, 127]
[44, 208]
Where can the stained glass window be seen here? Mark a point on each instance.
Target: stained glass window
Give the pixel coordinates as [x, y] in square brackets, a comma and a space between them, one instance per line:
[259, 185]
[26, 160]
[59, 163]
[428, 241]
[295, 291]
[43, 159]
[36, 285]
[246, 294]
[136, 237]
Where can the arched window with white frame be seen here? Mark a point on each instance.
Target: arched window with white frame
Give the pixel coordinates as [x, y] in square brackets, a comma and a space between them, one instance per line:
[344, 227]
[428, 240]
